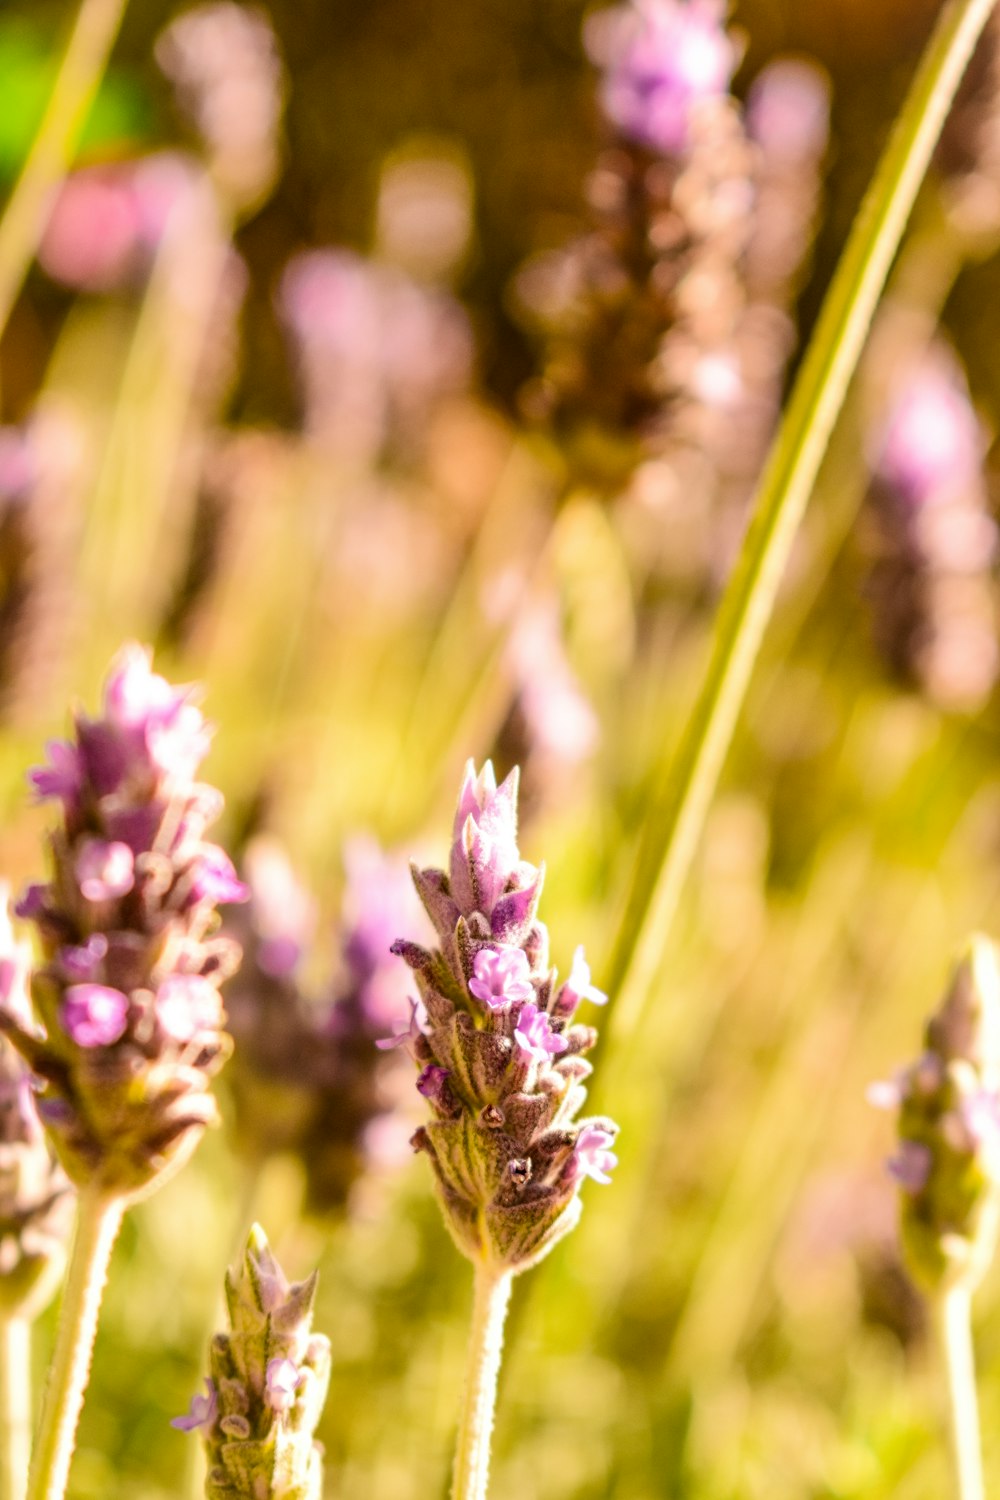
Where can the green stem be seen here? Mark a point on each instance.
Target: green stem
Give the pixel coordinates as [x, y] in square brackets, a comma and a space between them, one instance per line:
[955, 1334]
[98, 1221]
[76, 84]
[15, 1406]
[489, 1310]
[670, 835]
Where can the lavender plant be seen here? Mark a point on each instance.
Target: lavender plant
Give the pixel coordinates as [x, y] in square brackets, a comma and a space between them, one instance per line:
[947, 1165]
[267, 1387]
[502, 1068]
[129, 1019]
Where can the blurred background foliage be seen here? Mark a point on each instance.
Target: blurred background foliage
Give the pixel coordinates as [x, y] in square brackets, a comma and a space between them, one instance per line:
[731, 1318]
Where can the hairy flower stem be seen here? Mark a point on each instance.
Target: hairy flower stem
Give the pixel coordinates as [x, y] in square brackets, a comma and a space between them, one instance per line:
[955, 1335]
[98, 1221]
[76, 84]
[489, 1310]
[680, 803]
[15, 1406]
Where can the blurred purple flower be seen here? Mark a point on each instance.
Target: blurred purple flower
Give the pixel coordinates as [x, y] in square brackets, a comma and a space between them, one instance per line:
[660, 58]
[592, 1156]
[911, 1166]
[94, 1015]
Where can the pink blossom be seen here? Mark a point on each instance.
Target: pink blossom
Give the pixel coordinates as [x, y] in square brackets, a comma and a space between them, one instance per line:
[591, 1153]
[499, 977]
[94, 1015]
[203, 1410]
[105, 870]
[281, 1383]
[62, 777]
[534, 1034]
[578, 986]
[187, 1004]
[214, 877]
[406, 1032]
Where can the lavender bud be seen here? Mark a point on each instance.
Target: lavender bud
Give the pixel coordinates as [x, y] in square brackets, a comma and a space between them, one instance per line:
[499, 1062]
[947, 1162]
[268, 1384]
[127, 996]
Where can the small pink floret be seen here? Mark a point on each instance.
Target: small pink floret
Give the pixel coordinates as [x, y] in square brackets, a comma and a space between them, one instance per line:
[406, 1032]
[105, 870]
[94, 1015]
[62, 777]
[534, 1034]
[202, 1413]
[187, 1004]
[593, 1156]
[281, 1383]
[500, 977]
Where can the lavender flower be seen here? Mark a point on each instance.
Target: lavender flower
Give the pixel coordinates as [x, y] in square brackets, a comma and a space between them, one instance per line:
[307, 1076]
[947, 1162]
[267, 1387]
[36, 1203]
[500, 1056]
[932, 537]
[223, 60]
[661, 60]
[127, 997]
[638, 317]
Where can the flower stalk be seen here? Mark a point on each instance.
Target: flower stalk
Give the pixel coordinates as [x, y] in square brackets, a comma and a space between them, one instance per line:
[954, 1321]
[489, 1311]
[15, 1406]
[99, 1219]
[680, 804]
[75, 87]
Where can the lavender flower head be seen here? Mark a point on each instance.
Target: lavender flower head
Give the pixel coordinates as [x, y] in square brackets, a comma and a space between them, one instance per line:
[661, 59]
[494, 1037]
[931, 439]
[36, 1202]
[127, 997]
[947, 1160]
[307, 1076]
[269, 1379]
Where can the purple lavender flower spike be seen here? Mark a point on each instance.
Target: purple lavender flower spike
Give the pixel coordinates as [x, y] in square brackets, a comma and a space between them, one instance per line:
[130, 974]
[947, 1160]
[269, 1375]
[317, 1074]
[661, 59]
[500, 1064]
[202, 1413]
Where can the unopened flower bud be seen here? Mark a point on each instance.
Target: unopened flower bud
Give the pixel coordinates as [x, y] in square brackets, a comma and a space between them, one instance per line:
[268, 1384]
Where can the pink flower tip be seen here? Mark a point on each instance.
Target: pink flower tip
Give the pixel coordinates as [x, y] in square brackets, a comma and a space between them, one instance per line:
[94, 1015]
